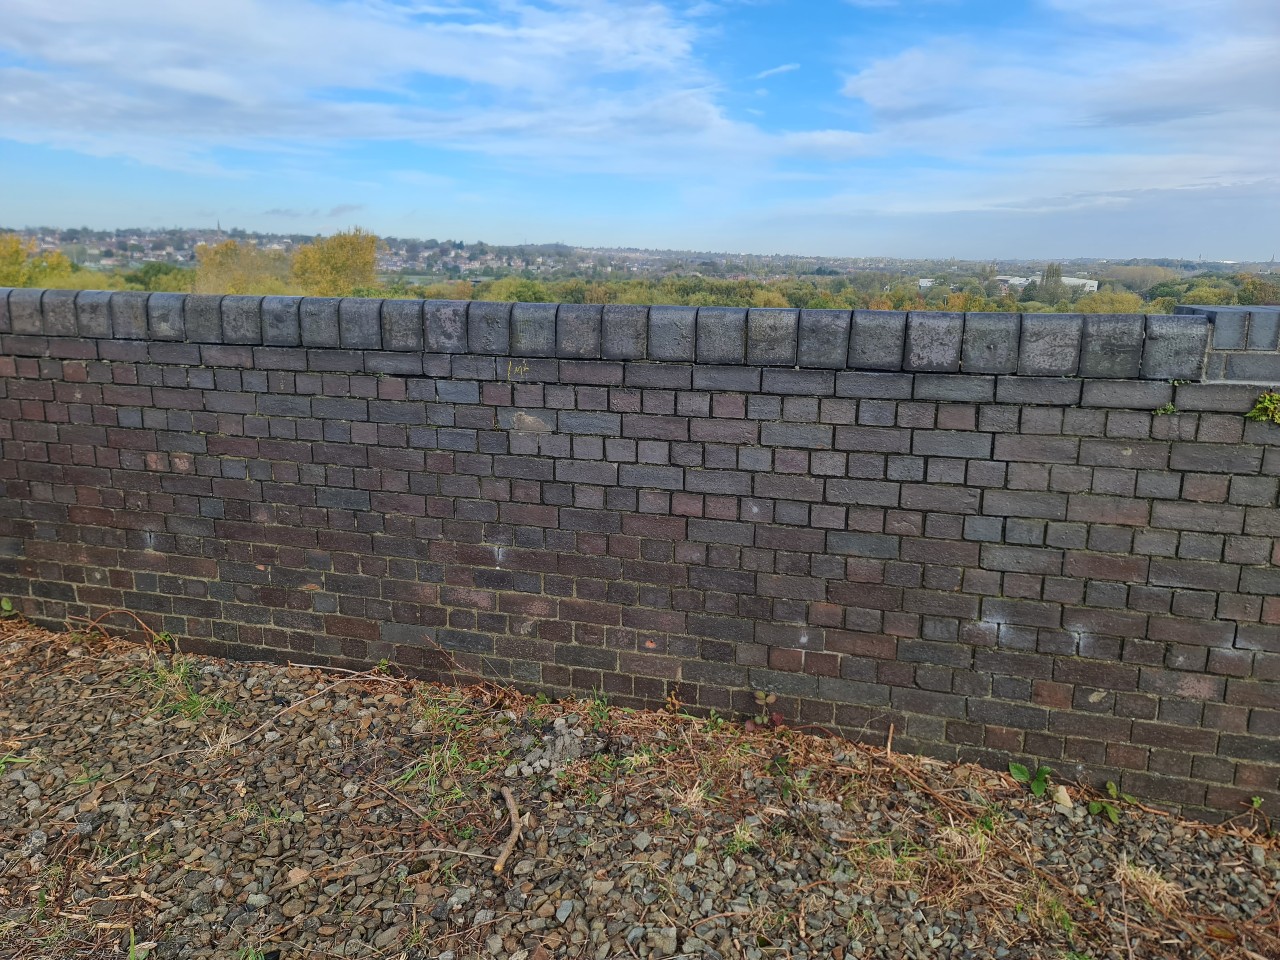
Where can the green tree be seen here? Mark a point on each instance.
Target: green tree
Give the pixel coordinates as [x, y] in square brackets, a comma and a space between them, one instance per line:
[1257, 291]
[161, 277]
[1052, 289]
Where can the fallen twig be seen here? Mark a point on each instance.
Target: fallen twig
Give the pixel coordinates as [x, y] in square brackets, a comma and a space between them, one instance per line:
[509, 847]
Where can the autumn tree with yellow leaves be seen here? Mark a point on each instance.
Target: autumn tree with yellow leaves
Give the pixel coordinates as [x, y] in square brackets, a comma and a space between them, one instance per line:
[336, 266]
[23, 264]
[234, 267]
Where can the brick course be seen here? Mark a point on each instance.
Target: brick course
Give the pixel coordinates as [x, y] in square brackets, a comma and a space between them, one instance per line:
[974, 529]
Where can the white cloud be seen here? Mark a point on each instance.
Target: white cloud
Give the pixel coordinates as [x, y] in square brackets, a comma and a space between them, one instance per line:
[169, 83]
[1089, 113]
[775, 71]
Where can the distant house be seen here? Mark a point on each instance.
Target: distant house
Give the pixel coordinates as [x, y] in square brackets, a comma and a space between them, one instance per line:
[1078, 283]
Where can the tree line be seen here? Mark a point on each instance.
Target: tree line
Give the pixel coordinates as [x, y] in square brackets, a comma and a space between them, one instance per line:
[345, 264]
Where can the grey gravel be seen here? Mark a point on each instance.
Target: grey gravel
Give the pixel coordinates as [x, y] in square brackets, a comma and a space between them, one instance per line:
[298, 813]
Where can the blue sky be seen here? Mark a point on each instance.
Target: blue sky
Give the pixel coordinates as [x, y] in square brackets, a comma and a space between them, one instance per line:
[1048, 128]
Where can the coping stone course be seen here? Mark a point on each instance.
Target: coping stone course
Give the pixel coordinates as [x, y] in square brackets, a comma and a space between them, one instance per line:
[1111, 345]
[991, 342]
[671, 333]
[771, 336]
[1050, 345]
[489, 328]
[721, 334]
[281, 321]
[318, 317]
[877, 340]
[25, 318]
[1174, 348]
[824, 338]
[624, 331]
[129, 314]
[578, 331]
[934, 340]
[5, 326]
[93, 314]
[402, 325]
[165, 316]
[446, 322]
[360, 324]
[533, 330]
[242, 320]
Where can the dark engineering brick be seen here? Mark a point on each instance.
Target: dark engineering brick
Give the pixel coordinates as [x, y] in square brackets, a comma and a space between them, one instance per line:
[998, 561]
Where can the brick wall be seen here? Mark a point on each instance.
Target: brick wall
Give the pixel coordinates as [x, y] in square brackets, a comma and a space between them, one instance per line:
[975, 528]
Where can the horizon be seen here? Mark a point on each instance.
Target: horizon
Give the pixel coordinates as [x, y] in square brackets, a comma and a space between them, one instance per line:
[52, 228]
[865, 128]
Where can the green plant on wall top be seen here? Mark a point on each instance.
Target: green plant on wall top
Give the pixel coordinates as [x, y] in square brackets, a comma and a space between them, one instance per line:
[1267, 408]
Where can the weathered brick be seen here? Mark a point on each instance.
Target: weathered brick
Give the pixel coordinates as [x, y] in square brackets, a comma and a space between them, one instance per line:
[489, 328]
[823, 337]
[1038, 390]
[578, 331]
[877, 340]
[1215, 458]
[1175, 347]
[1050, 345]
[721, 335]
[772, 336]
[59, 313]
[1129, 394]
[281, 321]
[533, 330]
[953, 388]
[93, 313]
[933, 341]
[672, 333]
[950, 443]
[1112, 345]
[446, 325]
[164, 316]
[403, 327]
[359, 324]
[318, 321]
[25, 316]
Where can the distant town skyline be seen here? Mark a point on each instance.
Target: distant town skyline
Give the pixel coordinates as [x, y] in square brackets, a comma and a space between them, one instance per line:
[1047, 129]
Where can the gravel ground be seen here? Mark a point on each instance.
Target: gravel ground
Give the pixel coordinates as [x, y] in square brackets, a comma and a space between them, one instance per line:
[154, 804]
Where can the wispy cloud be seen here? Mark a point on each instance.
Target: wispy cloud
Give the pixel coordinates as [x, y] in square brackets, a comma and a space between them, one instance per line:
[342, 209]
[775, 71]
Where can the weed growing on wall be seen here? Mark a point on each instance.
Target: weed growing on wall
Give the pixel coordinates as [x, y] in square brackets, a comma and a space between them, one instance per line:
[1267, 408]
